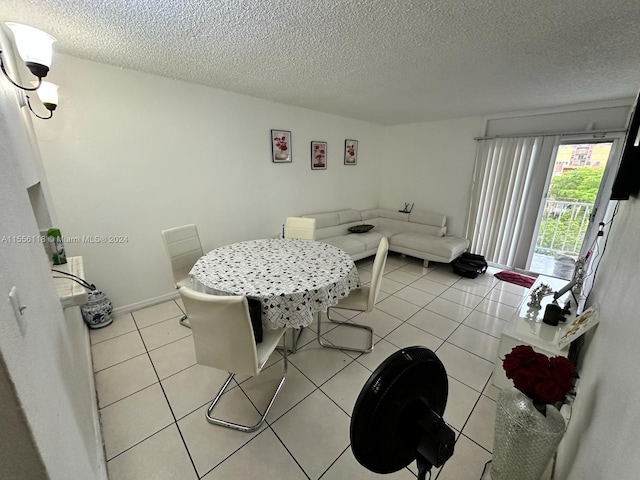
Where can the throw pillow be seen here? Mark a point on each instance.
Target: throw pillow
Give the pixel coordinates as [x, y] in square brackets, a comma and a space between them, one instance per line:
[360, 228]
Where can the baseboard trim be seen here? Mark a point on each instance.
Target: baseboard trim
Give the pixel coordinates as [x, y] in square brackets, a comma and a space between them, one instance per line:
[101, 465]
[145, 303]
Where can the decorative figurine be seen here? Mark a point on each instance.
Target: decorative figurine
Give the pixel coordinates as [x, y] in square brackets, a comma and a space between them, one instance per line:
[537, 294]
[407, 208]
[578, 274]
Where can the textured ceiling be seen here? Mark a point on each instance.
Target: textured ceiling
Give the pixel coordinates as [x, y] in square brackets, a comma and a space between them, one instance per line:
[383, 61]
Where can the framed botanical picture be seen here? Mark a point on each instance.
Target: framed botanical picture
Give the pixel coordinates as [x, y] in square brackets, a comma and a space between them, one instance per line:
[318, 155]
[580, 325]
[350, 152]
[280, 146]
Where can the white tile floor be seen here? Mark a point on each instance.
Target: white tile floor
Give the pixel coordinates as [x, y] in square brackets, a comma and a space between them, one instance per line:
[152, 395]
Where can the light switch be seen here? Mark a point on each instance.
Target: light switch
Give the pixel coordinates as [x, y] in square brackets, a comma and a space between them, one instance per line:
[18, 308]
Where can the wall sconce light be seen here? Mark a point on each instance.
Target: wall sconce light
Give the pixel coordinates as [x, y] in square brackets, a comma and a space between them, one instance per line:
[35, 49]
[48, 94]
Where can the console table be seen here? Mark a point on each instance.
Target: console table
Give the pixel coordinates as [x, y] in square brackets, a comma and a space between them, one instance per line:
[526, 328]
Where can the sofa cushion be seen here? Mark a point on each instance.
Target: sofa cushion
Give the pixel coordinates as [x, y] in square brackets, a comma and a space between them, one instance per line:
[328, 232]
[395, 225]
[428, 218]
[328, 219]
[348, 216]
[447, 246]
[349, 243]
[382, 213]
[370, 239]
[424, 229]
[393, 214]
[337, 230]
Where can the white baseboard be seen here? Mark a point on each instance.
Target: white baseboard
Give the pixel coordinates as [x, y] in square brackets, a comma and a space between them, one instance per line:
[101, 461]
[145, 303]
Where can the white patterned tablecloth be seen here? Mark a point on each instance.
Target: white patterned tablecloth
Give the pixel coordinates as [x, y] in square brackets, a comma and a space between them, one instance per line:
[292, 278]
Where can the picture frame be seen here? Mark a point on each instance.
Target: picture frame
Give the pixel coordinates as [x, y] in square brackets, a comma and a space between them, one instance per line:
[580, 325]
[281, 146]
[318, 155]
[351, 152]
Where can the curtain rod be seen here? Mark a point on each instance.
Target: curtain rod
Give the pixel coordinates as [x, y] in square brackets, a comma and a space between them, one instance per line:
[561, 134]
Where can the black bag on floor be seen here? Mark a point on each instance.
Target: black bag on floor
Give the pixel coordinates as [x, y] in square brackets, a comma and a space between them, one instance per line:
[469, 265]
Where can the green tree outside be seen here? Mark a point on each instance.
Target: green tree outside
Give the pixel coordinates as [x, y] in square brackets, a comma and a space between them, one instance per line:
[577, 185]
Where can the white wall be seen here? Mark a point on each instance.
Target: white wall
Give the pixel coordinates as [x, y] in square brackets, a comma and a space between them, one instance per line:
[130, 154]
[431, 165]
[36, 359]
[602, 438]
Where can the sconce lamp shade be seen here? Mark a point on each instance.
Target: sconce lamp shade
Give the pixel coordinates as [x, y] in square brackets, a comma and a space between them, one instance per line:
[34, 46]
[48, 94]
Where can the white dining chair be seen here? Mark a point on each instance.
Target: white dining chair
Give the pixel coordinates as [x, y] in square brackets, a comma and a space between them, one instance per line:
[300, 227]
[183, 247]
[304, 229]
[363, 300]
[223, 339]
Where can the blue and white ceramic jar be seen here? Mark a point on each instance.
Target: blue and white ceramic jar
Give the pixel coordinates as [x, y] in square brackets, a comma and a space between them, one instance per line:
[97, 311]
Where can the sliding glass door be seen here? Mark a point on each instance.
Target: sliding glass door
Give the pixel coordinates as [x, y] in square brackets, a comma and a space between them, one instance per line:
[569, 208]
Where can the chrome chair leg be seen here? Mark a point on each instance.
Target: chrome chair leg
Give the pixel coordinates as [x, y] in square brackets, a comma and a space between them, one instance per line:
[184, 321]
[346, 324]
[295, 340]
[245, 428]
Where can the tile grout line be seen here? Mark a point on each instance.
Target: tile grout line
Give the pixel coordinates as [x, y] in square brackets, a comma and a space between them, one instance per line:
[118, 363]
[465, 424]
[287, 449]
[164, 393]
[137, 443]
[260, 432]
[469, 418]
[334, 462]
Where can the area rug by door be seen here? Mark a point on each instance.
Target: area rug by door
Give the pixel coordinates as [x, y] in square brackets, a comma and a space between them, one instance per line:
[517, 278]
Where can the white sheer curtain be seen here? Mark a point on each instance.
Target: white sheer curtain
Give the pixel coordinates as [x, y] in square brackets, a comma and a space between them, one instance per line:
[509, 180]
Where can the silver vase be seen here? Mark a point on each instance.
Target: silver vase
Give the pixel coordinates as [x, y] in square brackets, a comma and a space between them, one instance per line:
[525, 439]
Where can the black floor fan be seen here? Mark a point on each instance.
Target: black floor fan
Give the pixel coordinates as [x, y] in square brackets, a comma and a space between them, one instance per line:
[398, 415]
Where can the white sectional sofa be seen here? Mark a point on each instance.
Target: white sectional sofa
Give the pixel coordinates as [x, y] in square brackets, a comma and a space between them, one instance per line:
[418, 234]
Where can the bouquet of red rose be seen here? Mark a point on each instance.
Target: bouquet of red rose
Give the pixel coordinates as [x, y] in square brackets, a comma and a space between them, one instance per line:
[543, 379]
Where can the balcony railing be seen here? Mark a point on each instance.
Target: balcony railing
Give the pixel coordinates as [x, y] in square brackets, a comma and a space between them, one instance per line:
[563, 227]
